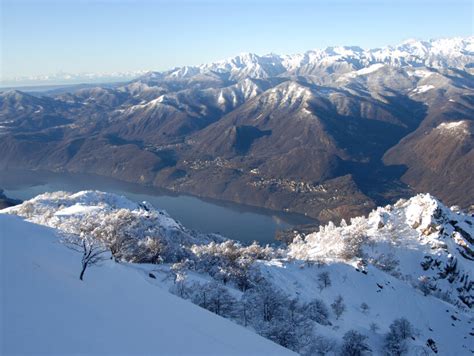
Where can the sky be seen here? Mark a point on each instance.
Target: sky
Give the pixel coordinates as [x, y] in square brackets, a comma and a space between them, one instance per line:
[41, 37]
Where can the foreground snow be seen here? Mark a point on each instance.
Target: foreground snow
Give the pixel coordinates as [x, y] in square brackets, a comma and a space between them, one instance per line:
[412, 260]
[46, 309]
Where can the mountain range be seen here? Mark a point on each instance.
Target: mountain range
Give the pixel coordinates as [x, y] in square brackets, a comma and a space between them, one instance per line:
[328, 133]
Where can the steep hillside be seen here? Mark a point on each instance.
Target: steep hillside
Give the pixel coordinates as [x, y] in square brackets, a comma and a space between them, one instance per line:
[399, 281]
[46, 309]
[419, 241]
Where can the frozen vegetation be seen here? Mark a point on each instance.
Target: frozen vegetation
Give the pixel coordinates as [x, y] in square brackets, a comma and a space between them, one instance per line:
[46, 309]
[397, 282]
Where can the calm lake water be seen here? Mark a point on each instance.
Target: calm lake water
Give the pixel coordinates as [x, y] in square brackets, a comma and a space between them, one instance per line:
[236, 221]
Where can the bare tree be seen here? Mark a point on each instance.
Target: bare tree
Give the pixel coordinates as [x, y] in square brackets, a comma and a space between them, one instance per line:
[317, 311]
[321, 345]
[338, 306]
[395, 340]
[374, 327]
[324, 280]
[93, 252]
[354, 344]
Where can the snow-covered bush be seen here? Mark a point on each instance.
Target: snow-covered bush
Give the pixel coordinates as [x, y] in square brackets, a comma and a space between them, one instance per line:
[344, 242]
[364, 307]
[320, 346]
[318, 311]
[338, 306]
[354, 344]
[324, 280]
[213, 297]
[229, 261]
[374, 327]
[133, 232]
[386, 262]
[395, 340]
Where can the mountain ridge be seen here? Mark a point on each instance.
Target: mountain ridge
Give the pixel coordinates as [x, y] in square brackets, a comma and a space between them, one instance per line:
[332, 139]
[410, 46]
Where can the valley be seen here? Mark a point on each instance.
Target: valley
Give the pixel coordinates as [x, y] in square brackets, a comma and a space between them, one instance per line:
[243, 223]
[229, 178]
[328, 133]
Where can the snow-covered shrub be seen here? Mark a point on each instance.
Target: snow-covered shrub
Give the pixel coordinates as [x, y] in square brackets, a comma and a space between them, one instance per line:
[278, 317]
[364, 307]
[229, 261]
[386, 262]
[213, 297]
[267, 301]
[402, 327]
[352, 246]
[320, 346]
[374, 327]
[425, 285]
[338, 306]
[133, 232]
[318, 311]
[354, 344]
[179, 286]
[344, 242]
[293, 333]
[395, 340]
[324, 280]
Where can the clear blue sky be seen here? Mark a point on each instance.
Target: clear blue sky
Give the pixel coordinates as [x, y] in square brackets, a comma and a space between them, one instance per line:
[48, 36]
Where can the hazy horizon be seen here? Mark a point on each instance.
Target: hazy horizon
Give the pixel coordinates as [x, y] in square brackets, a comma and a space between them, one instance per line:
[61, 78]
[47, 37]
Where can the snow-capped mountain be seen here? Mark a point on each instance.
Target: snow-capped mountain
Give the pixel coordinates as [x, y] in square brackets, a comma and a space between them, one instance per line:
[399, 281]
[329, 133]
[439, 54]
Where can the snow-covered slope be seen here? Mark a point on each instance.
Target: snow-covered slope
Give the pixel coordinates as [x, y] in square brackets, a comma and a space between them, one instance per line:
[412, 260]
[131, 227]
[46, 309]
[373, 300]
[419, 241]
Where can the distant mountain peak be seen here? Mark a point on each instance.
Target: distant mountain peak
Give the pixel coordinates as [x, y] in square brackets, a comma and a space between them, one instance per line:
[457, 52]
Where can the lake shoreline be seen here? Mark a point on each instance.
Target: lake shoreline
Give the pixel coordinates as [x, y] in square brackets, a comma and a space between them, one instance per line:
[239, 221]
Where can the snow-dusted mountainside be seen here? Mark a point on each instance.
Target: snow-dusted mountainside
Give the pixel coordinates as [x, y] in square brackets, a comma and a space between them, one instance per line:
[399, 281]
[329, 133]
[440, 53]
[437, 53]
[46, 309]
[419, 241]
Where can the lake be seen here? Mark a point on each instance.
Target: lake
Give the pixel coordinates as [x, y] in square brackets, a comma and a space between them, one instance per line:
[239, 222]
